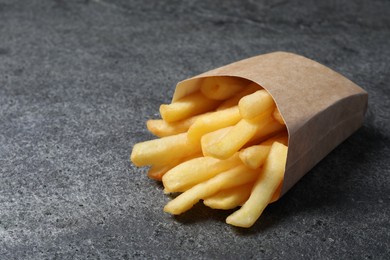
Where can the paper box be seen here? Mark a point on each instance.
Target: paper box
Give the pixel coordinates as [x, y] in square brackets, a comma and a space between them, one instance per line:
[321, 108]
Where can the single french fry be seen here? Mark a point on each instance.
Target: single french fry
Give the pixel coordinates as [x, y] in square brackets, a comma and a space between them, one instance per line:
[255, 156]
[231, 178]
[187, 106]
[236, 138]
[212, 122]
[161, 128]
[255, 104]
[278, 117]
[164, 150]
[266, 184]
[157, 171]
[229, 198]
[221, 88]
[233, 101]
[192, 172]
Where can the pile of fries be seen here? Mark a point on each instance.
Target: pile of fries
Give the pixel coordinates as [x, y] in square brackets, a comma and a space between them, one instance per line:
[225, 144]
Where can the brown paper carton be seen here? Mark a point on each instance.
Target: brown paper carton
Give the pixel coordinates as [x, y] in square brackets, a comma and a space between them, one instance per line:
[321, 108]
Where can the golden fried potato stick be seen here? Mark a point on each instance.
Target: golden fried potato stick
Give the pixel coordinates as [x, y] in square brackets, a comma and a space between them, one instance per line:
[255, 156]
[221, 88]
[157, 171]
[233, 101]
[278, 117]
[229, 198]
[192, 172]
[187, 106]
[164, 150]
[213, 121]
[266, 184]
[236, 138]
[161, 128]
[255, 104]
[231, 178]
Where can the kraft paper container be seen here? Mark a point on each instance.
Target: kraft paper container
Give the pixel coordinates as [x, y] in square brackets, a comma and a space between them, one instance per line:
[321, 108]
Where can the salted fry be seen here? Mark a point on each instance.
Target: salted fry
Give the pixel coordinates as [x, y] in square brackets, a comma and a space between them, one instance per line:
[231, 178]
[236, 138]
[187, 106]
[278, 117]
[161, 128]
[255, 104]
[164, 150]
[221, 88]
[229, 198]
[266, 184]
[212, 122]
[233, 101]
[192, 172]
[255, 156]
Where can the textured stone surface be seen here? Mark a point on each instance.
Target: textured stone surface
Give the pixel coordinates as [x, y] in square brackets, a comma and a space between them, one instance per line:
[79, 78]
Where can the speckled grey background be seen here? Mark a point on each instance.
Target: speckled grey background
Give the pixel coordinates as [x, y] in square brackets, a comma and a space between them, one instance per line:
[79, 78]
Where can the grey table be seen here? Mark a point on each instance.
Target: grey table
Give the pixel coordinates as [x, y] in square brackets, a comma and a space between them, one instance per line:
[78, 80]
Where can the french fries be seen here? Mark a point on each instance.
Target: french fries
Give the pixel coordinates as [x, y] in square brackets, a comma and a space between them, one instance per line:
[225, 144]
[161, 128]
[157, 171]
[278, 117]
[164, 150]
[267, 183]
[231, 178]
[254, 156]
[255, 104]
[195, 171]
[186, 107]
[213, 121]
[229, 198]
[236, 137]
[233, 101]
[234, 197]
[221, 88]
